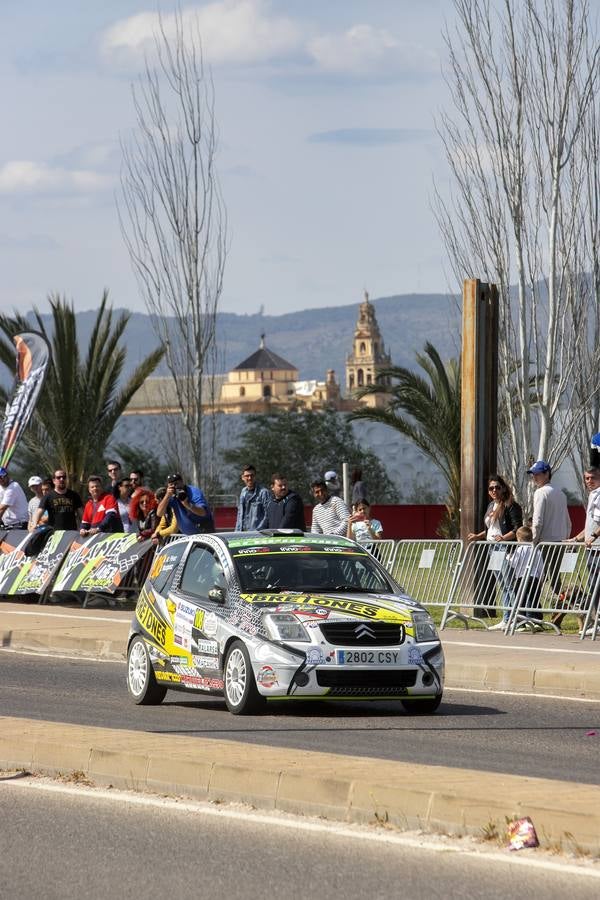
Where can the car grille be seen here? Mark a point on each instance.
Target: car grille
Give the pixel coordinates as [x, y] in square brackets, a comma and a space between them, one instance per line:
[359, 679]
[364, 634]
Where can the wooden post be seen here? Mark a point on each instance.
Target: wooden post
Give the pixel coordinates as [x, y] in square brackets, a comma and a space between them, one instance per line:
[479, 400]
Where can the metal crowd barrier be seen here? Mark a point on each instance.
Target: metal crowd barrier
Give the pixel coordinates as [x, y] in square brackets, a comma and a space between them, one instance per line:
[426, 569]
[525, 587]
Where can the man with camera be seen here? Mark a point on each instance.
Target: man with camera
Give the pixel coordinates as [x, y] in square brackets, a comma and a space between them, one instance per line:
[189, 505]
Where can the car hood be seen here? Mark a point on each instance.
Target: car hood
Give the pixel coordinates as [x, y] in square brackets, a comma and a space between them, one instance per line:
[380, 607]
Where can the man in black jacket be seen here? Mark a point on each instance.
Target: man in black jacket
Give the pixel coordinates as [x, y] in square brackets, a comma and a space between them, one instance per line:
[286, 509]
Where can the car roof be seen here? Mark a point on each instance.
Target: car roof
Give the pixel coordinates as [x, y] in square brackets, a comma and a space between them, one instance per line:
[276, 537]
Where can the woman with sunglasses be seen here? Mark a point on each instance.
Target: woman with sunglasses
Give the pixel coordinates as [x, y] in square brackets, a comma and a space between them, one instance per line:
[502, 518]
[503, 514]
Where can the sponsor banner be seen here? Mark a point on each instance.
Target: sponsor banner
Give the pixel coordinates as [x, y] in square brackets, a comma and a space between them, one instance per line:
[100, 563]
[33, 574]
[360, 608]
[12, 556]
[32, 358]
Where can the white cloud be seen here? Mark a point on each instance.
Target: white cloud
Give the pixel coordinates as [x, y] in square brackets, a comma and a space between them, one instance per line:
[365, 50]
[22, 176]
[232, 31]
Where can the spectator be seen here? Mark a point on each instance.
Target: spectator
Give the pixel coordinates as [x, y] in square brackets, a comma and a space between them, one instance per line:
[527, 565]
[123, 500]
[590, 535]
[114, 477]
[330, 515]
[136, 477]
[13, 502]
[143, 513]
[550, 521]
[359, 491]
[190, 506]
[167, 524]
[101, 513]
[502, 518]
[61, 503]
[285, 509]
[35, 484]
[333, 483]
[361, 527]
[253, 503]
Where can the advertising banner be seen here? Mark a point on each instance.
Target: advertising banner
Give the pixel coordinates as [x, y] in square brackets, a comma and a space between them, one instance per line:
[34, 574]
[12, 556]
[33, 355]
[100, 563]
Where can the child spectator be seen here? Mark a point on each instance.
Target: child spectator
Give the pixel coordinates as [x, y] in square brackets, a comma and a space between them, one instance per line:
[527, 567]
[167, 523]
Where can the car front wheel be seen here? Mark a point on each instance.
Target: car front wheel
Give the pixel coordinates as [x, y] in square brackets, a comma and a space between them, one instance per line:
[141, 683]
[422, 707]
[241, 694]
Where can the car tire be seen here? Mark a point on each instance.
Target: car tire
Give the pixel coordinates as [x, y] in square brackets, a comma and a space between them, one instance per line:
[241, 694]
[422, 707]
[141, 683]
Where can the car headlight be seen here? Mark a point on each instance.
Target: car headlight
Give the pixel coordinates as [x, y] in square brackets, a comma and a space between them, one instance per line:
[285, 627]
[425, 629]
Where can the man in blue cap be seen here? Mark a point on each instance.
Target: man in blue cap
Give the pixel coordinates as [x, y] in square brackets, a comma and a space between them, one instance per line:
[551, 521]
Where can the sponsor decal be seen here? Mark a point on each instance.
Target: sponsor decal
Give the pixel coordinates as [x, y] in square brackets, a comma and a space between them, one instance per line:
[185, 611]
[157, 566]
[353, 607]
[267, 677]
[314, 657]
[415, 657]
[150, 621]
[207, 646]
[211, 624]
[199, 619]
[167, 676]
[206, 662]
[202, 682]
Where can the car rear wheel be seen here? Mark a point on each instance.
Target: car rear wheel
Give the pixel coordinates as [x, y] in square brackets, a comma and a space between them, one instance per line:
[421, 707]
[141, 683]
[241, 694]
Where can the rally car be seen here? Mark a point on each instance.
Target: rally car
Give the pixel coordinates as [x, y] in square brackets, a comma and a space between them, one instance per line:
[280, 616]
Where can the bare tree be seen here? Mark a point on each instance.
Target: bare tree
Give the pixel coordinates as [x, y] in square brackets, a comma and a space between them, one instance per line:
[523, 76]
[173, 218]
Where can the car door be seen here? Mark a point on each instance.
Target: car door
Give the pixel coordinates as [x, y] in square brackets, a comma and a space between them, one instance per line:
[199, 601]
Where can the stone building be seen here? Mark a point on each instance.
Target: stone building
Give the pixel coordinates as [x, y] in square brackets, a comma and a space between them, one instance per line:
[368, 356]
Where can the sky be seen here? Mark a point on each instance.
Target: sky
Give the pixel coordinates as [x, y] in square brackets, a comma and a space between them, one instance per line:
[327, 147]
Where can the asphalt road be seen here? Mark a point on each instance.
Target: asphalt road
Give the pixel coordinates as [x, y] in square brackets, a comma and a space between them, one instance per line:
[71, 845]
[486, 731]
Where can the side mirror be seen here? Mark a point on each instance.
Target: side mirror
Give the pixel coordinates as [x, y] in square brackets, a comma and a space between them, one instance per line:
[217, 594]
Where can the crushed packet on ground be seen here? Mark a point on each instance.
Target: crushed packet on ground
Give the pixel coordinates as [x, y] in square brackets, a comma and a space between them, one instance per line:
[521, 833]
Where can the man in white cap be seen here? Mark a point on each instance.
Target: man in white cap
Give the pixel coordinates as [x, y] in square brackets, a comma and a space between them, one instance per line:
[333, 483]
[35, 484]
[13, 502]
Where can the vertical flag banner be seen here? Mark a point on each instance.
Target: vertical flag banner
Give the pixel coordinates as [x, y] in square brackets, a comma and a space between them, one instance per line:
[33, 355]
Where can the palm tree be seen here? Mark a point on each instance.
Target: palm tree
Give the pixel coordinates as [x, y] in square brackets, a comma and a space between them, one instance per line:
[427, 412]
[82, 399]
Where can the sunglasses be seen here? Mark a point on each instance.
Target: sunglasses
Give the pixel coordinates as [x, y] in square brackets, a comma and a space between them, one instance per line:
[60, 477]
[495, 487]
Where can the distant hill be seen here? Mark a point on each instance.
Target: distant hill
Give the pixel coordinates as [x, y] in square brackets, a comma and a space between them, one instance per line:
[316, 339]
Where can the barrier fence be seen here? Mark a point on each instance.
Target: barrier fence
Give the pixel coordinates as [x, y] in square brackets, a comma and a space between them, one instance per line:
[501, 586]
[504, 586]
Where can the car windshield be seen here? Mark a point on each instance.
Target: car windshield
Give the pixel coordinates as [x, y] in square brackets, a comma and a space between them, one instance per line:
[284, 570]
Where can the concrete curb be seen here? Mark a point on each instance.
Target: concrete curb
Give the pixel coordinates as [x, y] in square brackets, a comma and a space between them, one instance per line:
[341, 788]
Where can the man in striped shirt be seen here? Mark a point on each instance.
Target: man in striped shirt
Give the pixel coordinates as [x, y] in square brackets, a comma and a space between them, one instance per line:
[330, 515]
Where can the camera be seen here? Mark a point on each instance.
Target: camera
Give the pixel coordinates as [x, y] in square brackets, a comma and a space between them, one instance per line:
[171, 479]
[181, 495]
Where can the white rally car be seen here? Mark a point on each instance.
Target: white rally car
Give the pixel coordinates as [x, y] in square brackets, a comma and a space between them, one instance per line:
[280, 616]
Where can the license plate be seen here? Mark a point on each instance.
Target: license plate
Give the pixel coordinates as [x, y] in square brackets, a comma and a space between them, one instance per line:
[367, 657]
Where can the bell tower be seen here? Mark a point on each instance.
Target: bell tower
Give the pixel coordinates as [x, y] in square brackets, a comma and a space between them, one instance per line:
[368, 355]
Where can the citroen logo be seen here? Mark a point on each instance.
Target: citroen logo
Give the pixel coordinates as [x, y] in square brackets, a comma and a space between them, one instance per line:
[363, 631]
